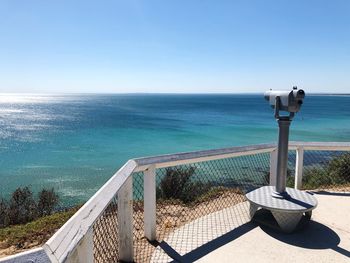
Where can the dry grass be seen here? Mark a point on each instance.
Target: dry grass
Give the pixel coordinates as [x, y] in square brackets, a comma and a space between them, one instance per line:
[18, 238]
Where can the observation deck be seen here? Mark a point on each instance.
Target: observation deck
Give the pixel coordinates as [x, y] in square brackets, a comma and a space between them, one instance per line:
[190, 207]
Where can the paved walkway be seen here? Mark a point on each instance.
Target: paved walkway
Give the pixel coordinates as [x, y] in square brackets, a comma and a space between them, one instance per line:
[228, 236]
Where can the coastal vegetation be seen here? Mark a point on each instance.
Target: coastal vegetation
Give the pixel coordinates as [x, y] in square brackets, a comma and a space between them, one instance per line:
[26, 221]
[24, 236]
[23, 207]
[178, 184]
[334, 173]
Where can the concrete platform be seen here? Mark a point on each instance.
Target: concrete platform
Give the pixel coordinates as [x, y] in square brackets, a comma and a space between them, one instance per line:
[228, 236]
[287, 211]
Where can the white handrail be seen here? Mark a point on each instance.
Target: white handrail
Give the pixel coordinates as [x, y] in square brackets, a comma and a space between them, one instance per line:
[300, 147]
[169, 160]
[63, 243]
[321, 146]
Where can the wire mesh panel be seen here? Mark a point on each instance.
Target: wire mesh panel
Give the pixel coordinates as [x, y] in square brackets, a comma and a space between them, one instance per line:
[142, 248]
[322, 170]
[186, 193]
[326, 170]
[105, 235]
[291, 168]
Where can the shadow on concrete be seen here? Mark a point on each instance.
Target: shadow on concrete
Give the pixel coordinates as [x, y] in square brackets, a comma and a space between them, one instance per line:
[300, 203]
[208, 247]
[314, 236]
[311, 235]
[264, 217]
[331, 193]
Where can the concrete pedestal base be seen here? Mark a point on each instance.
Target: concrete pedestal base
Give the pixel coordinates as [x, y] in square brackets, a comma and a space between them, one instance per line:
[287, 212]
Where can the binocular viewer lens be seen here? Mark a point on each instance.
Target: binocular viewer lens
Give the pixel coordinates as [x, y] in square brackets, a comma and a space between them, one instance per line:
[301, 93]
[288, 101]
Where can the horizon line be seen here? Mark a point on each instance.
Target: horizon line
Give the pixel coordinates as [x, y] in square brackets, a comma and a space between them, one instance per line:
[159, 93]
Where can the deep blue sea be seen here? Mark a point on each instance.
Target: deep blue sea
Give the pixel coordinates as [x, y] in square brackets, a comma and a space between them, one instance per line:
[75, 143]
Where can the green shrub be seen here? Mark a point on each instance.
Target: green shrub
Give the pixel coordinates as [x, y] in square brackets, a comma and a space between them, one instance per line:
[316, 177]
[177, 184]
[22, 207]
[193, 191]
[336, 172]
[4, 217]
[173, 183]
[339, 169]
[48, 199]
[266, 175]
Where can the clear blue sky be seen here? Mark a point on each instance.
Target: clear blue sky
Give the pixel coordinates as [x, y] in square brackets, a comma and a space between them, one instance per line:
[174, 46]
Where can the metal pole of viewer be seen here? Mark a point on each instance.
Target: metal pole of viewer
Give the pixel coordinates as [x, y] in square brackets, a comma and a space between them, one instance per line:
[282, 152]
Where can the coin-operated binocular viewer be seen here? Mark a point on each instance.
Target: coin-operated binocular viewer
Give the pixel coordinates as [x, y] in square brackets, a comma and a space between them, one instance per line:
[287, 205]
[290, 102]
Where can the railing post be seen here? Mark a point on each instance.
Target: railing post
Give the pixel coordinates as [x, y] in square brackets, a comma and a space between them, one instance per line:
[84, 252]
[273, 167]
[125, 221]
[150, 203]
[299, 168]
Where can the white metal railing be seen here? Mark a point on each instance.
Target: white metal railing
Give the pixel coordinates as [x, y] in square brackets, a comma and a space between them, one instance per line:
[300, 147]
[73, 242]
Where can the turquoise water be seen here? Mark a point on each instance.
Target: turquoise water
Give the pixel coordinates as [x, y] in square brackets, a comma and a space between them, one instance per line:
[76, 142]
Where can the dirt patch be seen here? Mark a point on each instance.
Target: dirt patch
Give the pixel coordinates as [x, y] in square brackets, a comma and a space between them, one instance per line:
[172, 215]
[7, 251]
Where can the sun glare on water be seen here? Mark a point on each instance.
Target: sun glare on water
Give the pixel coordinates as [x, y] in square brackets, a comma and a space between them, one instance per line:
[13, 98]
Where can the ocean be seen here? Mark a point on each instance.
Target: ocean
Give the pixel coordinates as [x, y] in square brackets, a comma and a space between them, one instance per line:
[75, 143]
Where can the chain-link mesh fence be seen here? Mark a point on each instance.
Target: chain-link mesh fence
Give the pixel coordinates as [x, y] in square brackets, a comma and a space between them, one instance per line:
[323, 170]
[186, 193]
[105, 235]
[142, 247]
[201, 201]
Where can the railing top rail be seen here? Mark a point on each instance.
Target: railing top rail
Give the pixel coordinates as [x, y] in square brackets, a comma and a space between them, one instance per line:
[322, 146]
[64, 241]
[199, 156]
[207, 155]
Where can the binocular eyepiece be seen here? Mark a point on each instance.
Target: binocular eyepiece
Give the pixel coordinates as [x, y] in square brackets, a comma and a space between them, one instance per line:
[289, 101]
